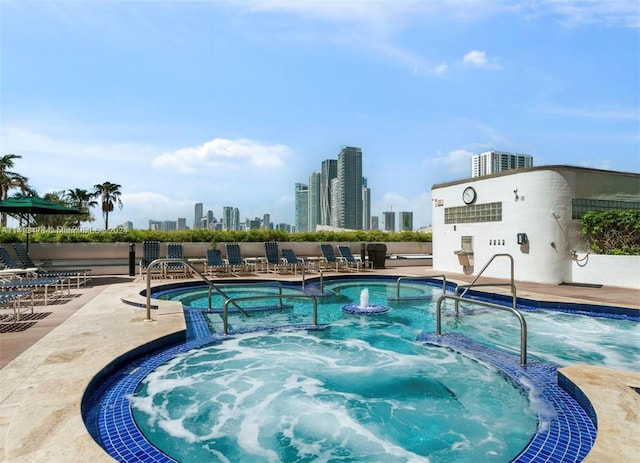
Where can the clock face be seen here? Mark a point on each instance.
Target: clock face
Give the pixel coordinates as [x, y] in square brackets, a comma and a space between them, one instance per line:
[469, 195]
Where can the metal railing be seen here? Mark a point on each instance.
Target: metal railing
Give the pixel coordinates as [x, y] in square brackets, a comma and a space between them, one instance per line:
[400, 279]
[212, 286]
[254, 284]
[304, 281]
[473, 282]
[516, 312]
[225, 310]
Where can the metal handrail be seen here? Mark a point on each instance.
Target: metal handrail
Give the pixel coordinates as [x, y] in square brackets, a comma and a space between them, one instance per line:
[255, 284]
[516, 312]
[444, 282]
[304, 281]
[212, 286]
[485, 267]
[225, 310]
[473, 282]
[514, 297]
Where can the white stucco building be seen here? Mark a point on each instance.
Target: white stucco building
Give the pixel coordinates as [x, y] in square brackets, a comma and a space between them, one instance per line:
[533, 214]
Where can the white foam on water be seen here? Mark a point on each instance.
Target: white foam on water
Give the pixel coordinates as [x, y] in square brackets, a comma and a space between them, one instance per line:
[305, 392]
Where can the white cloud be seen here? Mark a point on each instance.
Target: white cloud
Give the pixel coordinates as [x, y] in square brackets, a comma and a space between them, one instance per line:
[479, 59]
[476, 58]
[222, 152]
[441, 68]
[456, 161]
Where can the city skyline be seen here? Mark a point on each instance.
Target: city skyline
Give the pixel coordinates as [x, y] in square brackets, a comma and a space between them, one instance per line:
[229, 103]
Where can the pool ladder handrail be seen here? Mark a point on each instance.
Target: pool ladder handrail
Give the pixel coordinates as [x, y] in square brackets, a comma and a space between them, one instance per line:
[211, 284]
[252, 284]
[444, 282]
[516, 312]
[225, 310]
[473, 282]
[321, 280]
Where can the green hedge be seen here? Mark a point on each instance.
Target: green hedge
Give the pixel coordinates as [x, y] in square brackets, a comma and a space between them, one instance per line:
[8, 235]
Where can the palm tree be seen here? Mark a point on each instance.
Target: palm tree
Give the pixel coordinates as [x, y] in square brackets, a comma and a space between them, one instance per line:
[82, 200]
[9, 180]
[109, 194]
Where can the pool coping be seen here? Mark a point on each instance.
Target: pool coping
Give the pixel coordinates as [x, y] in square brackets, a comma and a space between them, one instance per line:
[41, 390]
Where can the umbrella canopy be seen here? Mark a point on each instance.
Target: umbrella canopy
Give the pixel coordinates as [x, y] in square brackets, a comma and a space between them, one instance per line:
[34, 205]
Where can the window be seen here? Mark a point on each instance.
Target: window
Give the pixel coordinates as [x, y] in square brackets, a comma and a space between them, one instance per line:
[579, 207]
[489, 212]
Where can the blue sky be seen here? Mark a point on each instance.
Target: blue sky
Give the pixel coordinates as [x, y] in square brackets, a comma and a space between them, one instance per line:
[231, 102]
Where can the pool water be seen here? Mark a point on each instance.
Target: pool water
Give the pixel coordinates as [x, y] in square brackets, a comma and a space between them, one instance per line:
[332, 395]
[553, 336]
[362, 389]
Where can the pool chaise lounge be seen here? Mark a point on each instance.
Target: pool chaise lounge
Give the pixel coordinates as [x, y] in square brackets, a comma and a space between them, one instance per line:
[13, 300]
[81, 277]
[45, 286]
[352, 262]
[330, 260]
[275, 262]
[239, 265]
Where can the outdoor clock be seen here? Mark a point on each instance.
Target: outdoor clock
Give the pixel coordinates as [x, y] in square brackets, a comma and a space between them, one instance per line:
[469, 195]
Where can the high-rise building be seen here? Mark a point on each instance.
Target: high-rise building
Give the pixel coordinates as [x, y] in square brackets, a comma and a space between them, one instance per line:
[350, 188]
[314, 201]
[492, 162]
[197, 216]
[389, 221]
[328, 173]
[366, 205]
[334, 193]
[374, 222]
[254, 224]
[230, 218]
[302, 207]
[406, 221]
[266, 221]
[211, 221]
[169, 225]
[182, 223]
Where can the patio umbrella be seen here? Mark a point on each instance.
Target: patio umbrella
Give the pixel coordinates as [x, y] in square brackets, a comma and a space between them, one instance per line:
[32, 205]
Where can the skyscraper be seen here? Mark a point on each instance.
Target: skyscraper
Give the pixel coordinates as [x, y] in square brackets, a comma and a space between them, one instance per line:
[197, 216]
[406, 221]
[366, 205]
[230, 218]
[349, 188]
[314, 200]
[302, 207]
[492, 162]
[389, 221]
[328, 173]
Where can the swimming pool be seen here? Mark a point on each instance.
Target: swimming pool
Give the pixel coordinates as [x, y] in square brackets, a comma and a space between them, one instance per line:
[318, 386]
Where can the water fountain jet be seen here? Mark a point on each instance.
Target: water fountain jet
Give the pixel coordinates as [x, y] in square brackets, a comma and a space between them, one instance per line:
[364, 308]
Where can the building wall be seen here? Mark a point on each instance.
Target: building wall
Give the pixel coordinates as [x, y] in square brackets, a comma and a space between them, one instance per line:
[536, 202]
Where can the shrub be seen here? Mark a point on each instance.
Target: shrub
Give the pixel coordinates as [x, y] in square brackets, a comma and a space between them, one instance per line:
[613, 232]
